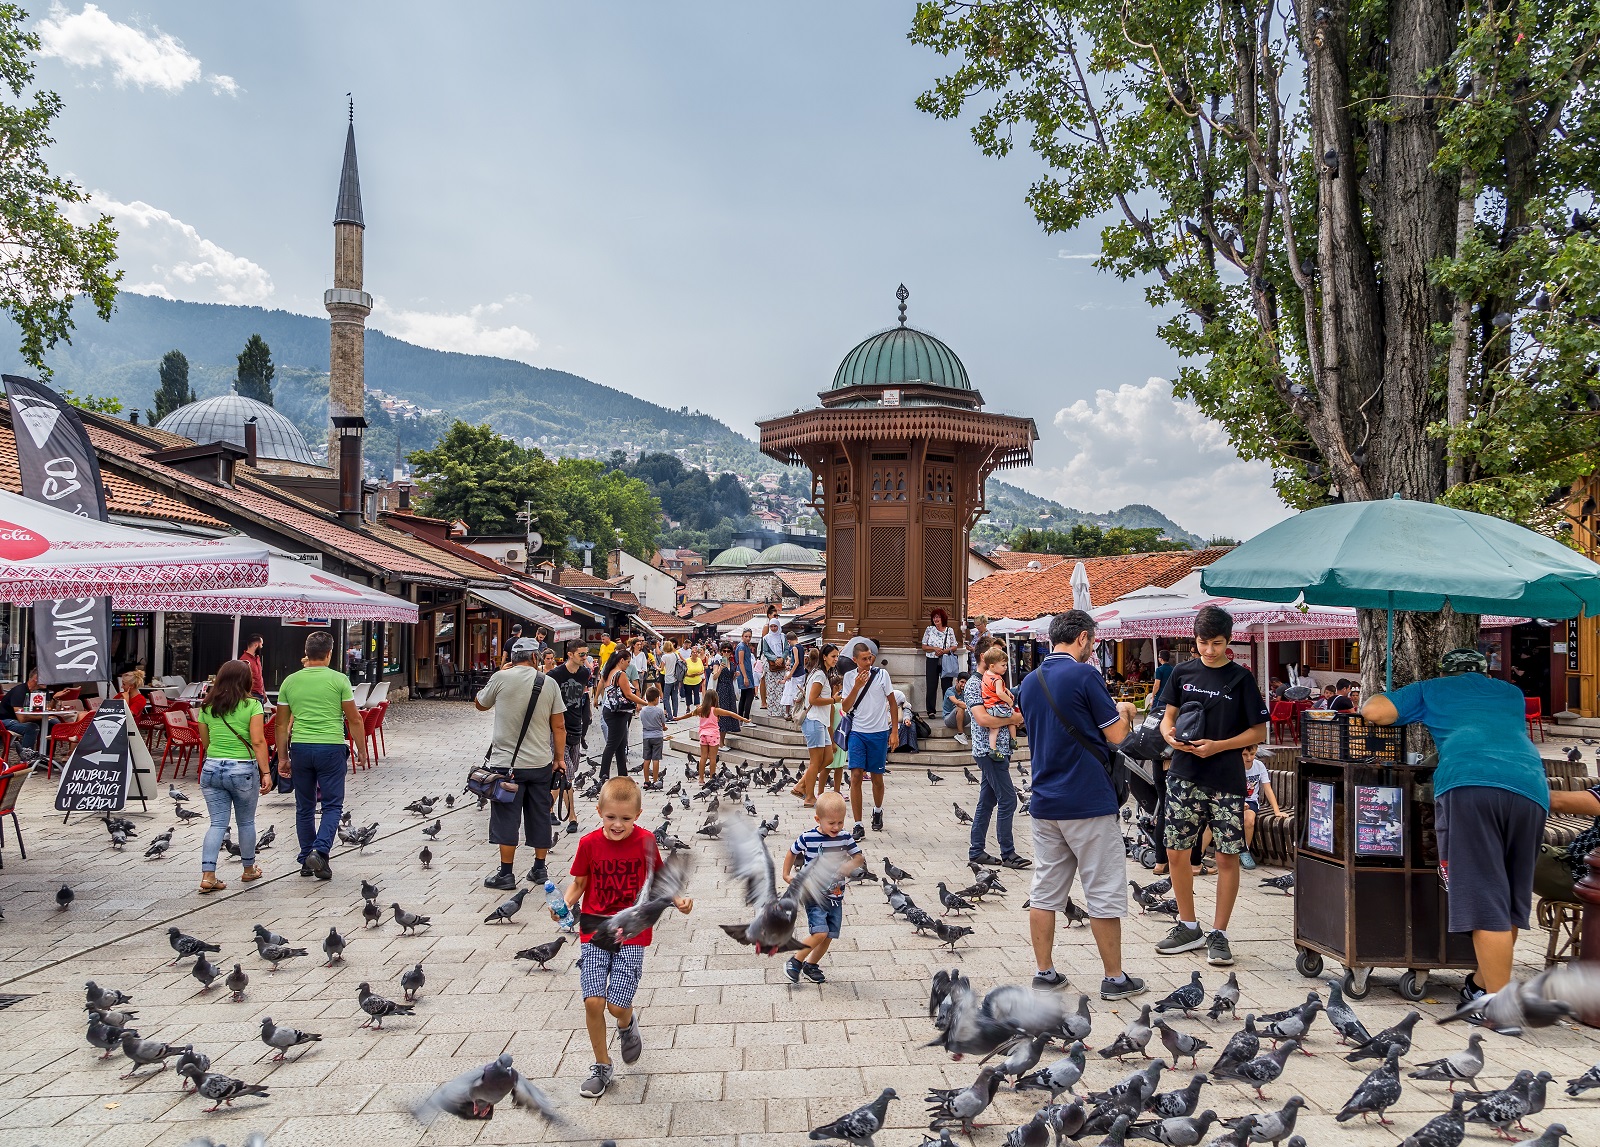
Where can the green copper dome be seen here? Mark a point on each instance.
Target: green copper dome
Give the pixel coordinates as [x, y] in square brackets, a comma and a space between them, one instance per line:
[788, 554]
[734, 557]
[901, 356]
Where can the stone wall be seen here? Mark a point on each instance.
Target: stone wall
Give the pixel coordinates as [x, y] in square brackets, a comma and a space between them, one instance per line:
[734, 585]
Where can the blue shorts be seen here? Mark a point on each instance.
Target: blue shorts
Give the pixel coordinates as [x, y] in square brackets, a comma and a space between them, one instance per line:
[827, 918]
[869, 751]
[816, 734]
[614, 975]
[1253, 806]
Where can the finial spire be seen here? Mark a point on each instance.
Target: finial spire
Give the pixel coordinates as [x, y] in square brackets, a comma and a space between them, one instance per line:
[352, 100]
[902, 294]
[348, 206]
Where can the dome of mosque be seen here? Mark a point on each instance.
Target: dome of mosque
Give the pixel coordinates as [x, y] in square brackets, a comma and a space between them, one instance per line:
[222, 419]
[788, 554]
[734, 557]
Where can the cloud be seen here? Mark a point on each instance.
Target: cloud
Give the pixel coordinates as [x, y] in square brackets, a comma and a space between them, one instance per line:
[1140, 444]
[1076, 255]
[172, 260]
[153, 59]
[467, 333]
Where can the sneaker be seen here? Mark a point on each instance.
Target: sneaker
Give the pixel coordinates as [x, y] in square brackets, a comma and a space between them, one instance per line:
[1246, 861]
[1470, 990]
[1121, 989]
[791, 969]
[555, 821]
[1218, 953]
[1050, 981]
[1181, 939]
[961, 739]
[628, 1040]
[983, 858]
[539, 873]
[504, 881]
[813, 973]
[318, 864]
[599, 1079]
[877, 820]
[1015, 861]
[858, 832]
[572, 826]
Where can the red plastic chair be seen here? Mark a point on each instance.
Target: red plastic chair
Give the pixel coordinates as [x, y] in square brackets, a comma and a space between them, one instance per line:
[1283, 722]
[380, 709]
[67, 733]
[1533, 711]
[183, 743]
[11, 781]
[5, 744]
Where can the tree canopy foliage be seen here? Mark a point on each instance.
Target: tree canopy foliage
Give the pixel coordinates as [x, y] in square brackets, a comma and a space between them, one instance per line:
[689, 496]
[174, 390]
[1089, 541]
[255, 371]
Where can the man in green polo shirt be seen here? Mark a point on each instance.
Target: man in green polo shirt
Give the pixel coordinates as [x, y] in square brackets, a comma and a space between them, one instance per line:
[314, 705]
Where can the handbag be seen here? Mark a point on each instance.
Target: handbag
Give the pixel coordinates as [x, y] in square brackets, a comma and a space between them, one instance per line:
[1146, 743]
[495, 784]
[1115, 763]
[841, 735]
[949, 665]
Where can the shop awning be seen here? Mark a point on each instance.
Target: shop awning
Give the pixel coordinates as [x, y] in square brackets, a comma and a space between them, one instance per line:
[293, 590]
[561, 629]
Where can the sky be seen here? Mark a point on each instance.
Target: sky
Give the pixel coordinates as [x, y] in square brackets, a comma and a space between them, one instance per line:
[706, 205]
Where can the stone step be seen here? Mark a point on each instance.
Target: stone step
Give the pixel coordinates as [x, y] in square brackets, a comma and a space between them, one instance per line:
[777, 738]
[740, 749]
[1570, 720]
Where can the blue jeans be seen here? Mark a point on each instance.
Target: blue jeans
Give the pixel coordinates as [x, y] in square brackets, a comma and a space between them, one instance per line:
[229, 788]
[995, 791]
[27, 731]
[317, 770]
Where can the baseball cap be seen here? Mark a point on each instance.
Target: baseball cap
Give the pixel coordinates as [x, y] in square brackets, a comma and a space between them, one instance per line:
[524, 645]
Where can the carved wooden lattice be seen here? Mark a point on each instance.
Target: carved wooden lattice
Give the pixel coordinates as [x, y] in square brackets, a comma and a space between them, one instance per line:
[889, 484]
[938, 483]
[886, 562]
[841, 480]
[938, 567]
[843, 581]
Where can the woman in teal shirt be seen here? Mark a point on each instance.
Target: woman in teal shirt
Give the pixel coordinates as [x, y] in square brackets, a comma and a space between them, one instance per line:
[233, 746]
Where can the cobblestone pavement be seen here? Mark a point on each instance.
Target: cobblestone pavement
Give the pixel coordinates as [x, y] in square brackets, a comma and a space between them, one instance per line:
[733, 1054]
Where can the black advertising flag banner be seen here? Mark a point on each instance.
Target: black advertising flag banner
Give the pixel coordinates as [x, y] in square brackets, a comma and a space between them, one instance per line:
[97, 776]
[58, 466]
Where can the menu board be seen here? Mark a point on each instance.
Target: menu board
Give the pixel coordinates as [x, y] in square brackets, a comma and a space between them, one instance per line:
[1319, 822]
[1380, 829]
[96, 777]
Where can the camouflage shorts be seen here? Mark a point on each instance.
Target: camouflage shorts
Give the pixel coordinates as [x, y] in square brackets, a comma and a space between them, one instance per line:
[1191, 807]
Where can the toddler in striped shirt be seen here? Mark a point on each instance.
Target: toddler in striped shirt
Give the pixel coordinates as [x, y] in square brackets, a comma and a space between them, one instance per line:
[825, 917]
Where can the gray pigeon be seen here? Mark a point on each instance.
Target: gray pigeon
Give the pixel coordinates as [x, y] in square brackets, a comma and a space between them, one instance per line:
[1179, 1131]
[409, 921]
[962, 1105]
[65, 897]
[1398, 1037]
[1065, 1119]
[369, 890]
[191, 1065]
[377, 1006]
[176, 794]
[238, 980]
[97, 997]
[1500, 1109]
[1586, 1081]
[1076, 1025]
[186, 946]
[371, 914]
[144, 1052]
[1447, 1130]
[262, 936]
[1515, 1007]
[860, 1125]
[1186, 999]
[1343, 1017]
[509, 909]
[1536, 1091]
[1184, 1101]
[1272, 1126]
[1294, 1027]
[1117, 1133]
[1226, 999]
[1024, 1056]
[1273, 1017]
[1126, 1106]
[1239, 1134]
[1134, 1038]
[771, 928]
[1243, 1045]
[1551, 1136]
[105, 1036]
[223, 1089]
[1261, 1070]
[1180, 1045]
[1062, 1075]
[158, 846]
[1034, 1133]
[1376, 1093]
[185, 816]
[473, 1094]
[1147, 1079]
[662, 886]
[284, 1038]
[1457, 1067]
[542, 954]
[205, 971]
[411, 982]
[333, 947]
[275, 954]
[895, 872]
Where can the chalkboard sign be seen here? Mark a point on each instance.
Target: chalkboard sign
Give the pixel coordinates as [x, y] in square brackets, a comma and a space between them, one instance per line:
[97, 776]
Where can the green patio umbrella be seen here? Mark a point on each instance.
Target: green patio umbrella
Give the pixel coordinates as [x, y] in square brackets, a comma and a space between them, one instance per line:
[1412, 556]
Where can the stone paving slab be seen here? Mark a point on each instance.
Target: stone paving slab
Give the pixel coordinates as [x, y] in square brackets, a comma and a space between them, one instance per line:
[733, 1054]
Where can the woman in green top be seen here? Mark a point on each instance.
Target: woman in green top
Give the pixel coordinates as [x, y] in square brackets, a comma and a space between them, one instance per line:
[234, 772]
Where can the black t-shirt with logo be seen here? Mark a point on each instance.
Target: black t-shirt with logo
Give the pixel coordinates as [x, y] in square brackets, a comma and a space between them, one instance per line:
[574, 695]
[1341, 703]
[1233, 705]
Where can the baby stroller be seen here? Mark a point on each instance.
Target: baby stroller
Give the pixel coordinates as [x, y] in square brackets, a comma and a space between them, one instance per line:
[1142, 845]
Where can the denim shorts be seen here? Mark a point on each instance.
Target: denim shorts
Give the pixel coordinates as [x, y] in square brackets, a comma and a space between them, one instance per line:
[652, 748]
[827, 918]
[816, 734]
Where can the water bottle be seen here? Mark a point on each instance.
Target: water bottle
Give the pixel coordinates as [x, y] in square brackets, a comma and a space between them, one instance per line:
[558, 905]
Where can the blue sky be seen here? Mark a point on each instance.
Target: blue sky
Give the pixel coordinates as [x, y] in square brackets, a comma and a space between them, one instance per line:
[703, 204]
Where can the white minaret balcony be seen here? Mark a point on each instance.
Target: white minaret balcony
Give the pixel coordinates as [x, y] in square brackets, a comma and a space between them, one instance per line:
[335, 295]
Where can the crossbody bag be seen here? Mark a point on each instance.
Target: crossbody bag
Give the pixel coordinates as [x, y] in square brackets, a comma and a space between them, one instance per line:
[1114, 762]
[841, 735]
[494, 784]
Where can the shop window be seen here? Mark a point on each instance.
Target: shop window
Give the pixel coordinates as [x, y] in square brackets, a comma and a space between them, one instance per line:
[1347, 656]
[1321, 654]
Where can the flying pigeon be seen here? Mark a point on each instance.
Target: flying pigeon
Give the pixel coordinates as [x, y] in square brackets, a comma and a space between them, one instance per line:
[1134, 1038]
[1457, 1067]
[509, 909]
[473, 1094]
[186, 946]
[1525, 1005]
[1180, 1045]
[771, 929]
[1187, 998]
[661, 888]
[860, 1125]
[284, 1038]
[238, 980]
[409, 921]
[1376, 1093]
[542, 954]
[1378, 1046]
[962, 1105]
[1062, 1075]
[377, 1006]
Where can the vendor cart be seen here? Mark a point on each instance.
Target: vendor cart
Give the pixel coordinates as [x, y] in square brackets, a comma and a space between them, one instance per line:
[1367, 887]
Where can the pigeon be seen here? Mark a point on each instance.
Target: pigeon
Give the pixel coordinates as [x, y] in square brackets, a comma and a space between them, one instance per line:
[1457, 1067]
[144, 1052]
[1586, 1081]
[860, 1125]
[1294, 1027]
[1274, 1126]
[1284, 883]
[1500, 1109]
[1520, 1005]
[426, 856]
[952, 902]
[507, 910]
[1261, 1070]
[1551, 1136]
[1244, 1045]
[363, 837]
[409, 921]
[1274, 1017]
[1179, 1044]
[473, 1094]
[542, 954]
[97, 997]
[369, 890]
[1117, 1133]
[1062, 1075]
[333, 947]
[962, 1105]
[895, 872]
[176, 794]
[1376, 1093]
[1378, 1046]
[377, 1006]
[411, 982]
[284, 1038]
[238, 980]
[1183, 1101]
[662, 886]
[1187, 998]
[1124, 1109]
[1447, 1130]
[64, 897]
[262, 936]
[265, 839]
[116, 1017]
[1178, 1131]
[971, 780]
[371, 913]
[1065, 1119]
[1075, 1025]
[1167, 907]
[423, 806]
[449, 800]
[105, 1036]
[432, 831]
[1134, 1038]
[711, 830]
[962, 815]
[1034, 1133]
[1239, 1136]
[275, 954]
[1343, 1017]
[158, 846]
[186, 946]
[1536, 1092]
[185, 816]
[771, 929]
[1146, 1079]
[1074, 914]
[224, 1089]
[191, 1065]
[950, 933]
[934, 778]
[1023, 1055]
[1226, 999]
[205, 971]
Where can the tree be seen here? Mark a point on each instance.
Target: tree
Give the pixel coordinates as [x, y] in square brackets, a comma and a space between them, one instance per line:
[174, 390]
[46, 262]
[1344, 213]
[255, 371]
[1086, 540]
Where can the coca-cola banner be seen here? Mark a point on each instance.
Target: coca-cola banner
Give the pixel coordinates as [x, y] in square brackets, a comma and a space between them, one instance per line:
[72, 638]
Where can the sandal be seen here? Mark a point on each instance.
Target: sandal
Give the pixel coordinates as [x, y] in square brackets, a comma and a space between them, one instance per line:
[253, 872]
[808, 804]
[795, 792]
[210, 883]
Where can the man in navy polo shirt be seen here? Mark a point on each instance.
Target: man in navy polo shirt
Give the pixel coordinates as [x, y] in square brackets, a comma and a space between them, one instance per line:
[1074, 807]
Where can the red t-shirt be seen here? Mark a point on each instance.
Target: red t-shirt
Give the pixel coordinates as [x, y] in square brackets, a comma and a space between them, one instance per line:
[616, 871]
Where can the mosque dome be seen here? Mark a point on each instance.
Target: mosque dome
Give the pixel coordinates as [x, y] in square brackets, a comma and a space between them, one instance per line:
[788, 554]
[222, 419]
[734, 558]
[901, 356]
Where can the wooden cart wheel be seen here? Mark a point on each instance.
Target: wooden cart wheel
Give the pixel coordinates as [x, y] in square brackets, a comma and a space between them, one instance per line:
[1356, 985]
[1414, 984]
[1308, 963]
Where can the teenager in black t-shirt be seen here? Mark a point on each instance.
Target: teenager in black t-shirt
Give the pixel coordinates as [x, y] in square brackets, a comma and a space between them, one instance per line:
[1205, 781]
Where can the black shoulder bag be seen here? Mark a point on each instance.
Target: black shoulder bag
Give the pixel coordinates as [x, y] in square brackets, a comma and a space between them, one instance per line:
[496, 784]
[841, 735]
[1115, 762]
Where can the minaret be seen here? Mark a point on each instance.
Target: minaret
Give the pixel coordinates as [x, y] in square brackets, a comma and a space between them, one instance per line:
[348, 307]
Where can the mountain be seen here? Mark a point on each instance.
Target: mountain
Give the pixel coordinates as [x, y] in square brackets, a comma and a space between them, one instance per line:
[561, 413]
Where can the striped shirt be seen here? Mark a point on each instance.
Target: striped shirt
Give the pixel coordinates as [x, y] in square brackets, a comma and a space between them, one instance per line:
[813, 842]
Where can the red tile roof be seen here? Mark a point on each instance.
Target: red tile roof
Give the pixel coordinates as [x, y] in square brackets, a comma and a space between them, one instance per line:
[579, 579]
[804, 585]
[1019, 559]
[733, 613]
[664, 622]
[1025, 594]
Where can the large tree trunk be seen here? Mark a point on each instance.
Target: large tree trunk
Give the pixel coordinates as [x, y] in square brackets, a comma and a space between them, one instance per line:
[1420, 639]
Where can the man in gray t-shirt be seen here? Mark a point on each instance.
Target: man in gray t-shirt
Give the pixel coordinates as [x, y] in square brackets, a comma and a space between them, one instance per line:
[529, 758]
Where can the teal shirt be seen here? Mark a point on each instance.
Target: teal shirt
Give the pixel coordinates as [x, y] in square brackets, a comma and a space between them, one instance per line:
[1479, 727]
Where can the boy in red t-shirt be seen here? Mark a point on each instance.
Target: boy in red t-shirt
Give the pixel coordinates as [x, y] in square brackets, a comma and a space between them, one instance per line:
[608, 872]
